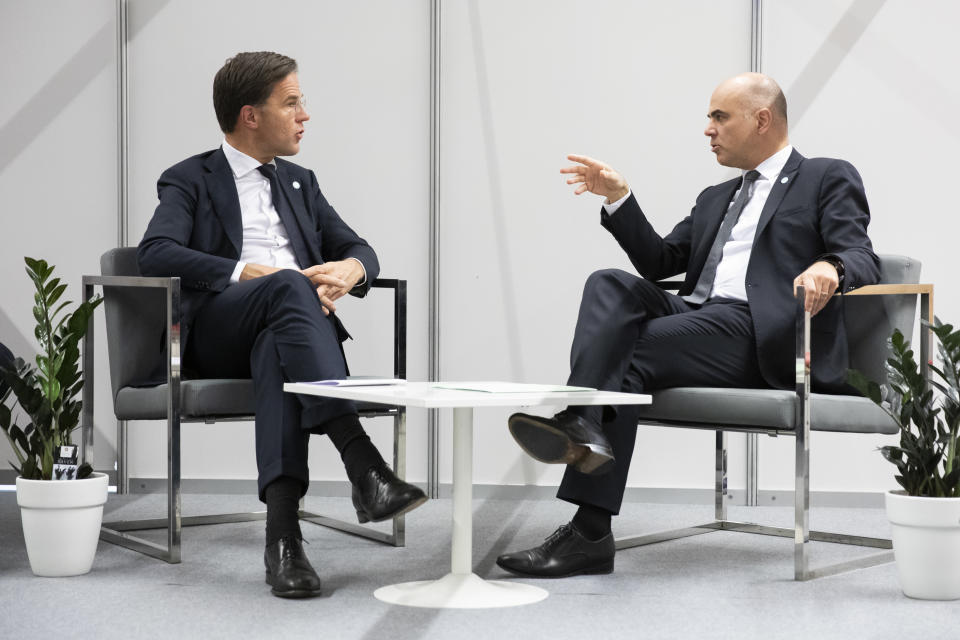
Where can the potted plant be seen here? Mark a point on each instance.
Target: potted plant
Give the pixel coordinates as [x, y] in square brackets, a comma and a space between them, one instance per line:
[61, 503]
[925, 514]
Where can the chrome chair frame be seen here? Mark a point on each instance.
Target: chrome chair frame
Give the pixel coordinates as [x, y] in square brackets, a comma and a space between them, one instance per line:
[119, 532]
[800, 532]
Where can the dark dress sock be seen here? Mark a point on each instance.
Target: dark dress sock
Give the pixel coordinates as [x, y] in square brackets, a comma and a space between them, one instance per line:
[592, 522]
[283, 504]
[353, 443]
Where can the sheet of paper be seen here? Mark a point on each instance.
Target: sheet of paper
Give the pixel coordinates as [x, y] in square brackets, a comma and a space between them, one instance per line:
[359, 382]
[508, 387]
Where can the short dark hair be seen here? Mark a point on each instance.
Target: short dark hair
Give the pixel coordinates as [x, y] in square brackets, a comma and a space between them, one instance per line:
[247, 78]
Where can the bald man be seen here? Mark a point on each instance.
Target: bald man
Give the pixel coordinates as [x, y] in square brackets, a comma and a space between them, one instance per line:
[787, 220]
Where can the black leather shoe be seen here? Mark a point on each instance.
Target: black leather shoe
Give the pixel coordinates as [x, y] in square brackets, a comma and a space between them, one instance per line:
[288, 571]
[565, 553]
[566, 438]
[380, 495]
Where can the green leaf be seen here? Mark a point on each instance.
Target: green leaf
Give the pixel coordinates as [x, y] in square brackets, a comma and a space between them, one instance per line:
[867, 387]
[49, 288]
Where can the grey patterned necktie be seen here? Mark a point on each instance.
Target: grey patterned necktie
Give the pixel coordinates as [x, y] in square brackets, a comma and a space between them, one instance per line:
[709, 271]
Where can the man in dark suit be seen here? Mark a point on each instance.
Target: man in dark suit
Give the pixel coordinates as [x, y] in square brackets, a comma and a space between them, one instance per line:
[263, 258]
[747, 243]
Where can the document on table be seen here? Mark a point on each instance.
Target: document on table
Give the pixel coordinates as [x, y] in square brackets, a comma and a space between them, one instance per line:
[359, 382]
[508, 387]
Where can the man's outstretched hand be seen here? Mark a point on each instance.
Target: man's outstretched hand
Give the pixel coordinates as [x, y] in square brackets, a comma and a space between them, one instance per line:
[596, 177]
[819, 282]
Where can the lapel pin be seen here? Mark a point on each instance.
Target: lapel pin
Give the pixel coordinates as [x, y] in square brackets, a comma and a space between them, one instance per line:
[783, 180]
[296, 185]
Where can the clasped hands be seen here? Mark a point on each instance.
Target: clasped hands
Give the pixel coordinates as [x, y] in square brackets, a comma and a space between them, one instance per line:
[333, 280]
[820, 280]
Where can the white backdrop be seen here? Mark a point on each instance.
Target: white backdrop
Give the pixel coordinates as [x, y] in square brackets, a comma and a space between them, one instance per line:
[523, 84]
[58, 163]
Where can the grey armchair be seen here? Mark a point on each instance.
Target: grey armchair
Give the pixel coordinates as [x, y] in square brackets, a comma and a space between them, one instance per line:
[141, 313]
[871, 313]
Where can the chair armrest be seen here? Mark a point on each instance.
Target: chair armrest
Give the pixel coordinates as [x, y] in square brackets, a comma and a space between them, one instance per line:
[891, 289]
[925, 291]
[399, 322]
[172, 287]
[130, 281]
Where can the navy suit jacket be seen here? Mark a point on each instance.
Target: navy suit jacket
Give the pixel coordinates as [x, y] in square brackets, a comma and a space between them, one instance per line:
[817, 207]
[196, 232]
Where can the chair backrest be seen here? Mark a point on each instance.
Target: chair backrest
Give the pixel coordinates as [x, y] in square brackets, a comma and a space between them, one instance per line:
[135, 320]
[870, 320]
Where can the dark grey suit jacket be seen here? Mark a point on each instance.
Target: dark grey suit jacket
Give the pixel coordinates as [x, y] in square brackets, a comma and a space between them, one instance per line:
[821, 209]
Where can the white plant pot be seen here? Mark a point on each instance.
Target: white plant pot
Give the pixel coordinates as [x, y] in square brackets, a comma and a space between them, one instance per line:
[926, 545]
[61, 523]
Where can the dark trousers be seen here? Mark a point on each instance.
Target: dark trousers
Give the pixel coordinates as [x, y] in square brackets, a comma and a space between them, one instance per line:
[633, 336]
[272, 329]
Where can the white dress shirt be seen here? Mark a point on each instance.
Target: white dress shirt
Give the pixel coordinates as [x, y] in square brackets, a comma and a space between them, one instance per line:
[730, 281]
[265, 239]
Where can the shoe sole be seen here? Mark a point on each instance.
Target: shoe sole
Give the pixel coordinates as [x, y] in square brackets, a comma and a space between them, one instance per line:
[293, 593]
[600, 569]
[550, 445]
[363, 518]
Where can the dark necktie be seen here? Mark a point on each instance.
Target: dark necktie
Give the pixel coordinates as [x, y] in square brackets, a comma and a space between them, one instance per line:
[286, 216]
[709, 271]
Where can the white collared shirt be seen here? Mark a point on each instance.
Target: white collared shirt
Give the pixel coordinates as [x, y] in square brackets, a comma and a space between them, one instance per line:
[265, 239]
[730, 281]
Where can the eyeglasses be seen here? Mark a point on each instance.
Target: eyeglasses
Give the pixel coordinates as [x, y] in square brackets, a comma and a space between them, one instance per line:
[301, 104]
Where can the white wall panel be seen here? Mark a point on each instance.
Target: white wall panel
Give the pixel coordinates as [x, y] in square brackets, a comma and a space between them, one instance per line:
[364, 68]
[58, 167]
[871, 82]
[524, 84]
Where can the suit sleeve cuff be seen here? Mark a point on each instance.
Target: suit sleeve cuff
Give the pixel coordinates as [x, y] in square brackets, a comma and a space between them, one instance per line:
[235, 277]
[611, 208]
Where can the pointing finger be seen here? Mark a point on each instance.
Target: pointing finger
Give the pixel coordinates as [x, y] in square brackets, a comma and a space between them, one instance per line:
[586, 160]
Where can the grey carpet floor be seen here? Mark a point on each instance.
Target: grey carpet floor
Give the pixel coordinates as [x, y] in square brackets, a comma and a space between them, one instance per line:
[719, 585]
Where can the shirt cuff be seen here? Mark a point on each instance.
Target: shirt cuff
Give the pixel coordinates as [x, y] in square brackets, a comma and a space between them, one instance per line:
[235, 278]
[364, 279]
[612, 207]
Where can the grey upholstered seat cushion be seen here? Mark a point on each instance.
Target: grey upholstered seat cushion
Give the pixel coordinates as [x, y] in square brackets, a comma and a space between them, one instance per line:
[770, 408]
[198, 399]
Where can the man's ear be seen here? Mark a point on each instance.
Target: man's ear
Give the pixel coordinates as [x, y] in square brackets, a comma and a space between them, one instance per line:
[764, 118]
[249, 117]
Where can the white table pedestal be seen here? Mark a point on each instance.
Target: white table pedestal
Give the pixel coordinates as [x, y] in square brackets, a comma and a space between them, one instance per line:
[460, 591]
[461, 588]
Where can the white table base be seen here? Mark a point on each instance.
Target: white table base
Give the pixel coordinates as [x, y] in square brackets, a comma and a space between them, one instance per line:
[461, 588]
[460, 591]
